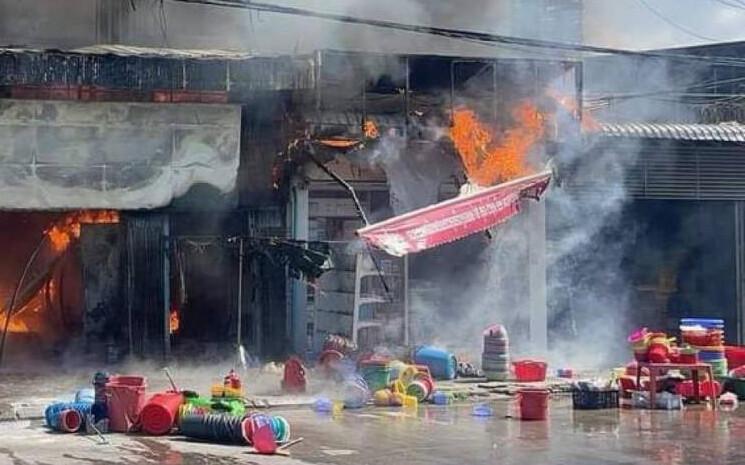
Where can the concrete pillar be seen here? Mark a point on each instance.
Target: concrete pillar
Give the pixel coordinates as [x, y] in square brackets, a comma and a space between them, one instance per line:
[299, 314]
[536, 212]
[739, 212]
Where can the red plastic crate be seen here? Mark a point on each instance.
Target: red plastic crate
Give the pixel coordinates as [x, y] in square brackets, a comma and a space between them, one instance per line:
[735, 356]
[706, 388]
[530, 370]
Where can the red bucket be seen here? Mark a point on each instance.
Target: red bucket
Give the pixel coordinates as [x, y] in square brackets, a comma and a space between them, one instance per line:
[658, 353]
[530, 370]
[706, 388]
[70, 421]
[735, 356]
[160, 413]
[125, 399]
[533, 404]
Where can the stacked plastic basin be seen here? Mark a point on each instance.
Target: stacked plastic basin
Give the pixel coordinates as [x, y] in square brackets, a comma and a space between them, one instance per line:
[495, 359]
[706, 335]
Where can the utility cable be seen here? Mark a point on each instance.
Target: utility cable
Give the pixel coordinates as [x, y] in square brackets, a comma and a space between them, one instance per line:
[672, 23]
[737, 5]
[472, 36]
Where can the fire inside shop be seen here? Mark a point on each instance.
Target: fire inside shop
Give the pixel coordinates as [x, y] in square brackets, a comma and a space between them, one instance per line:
[215, 263]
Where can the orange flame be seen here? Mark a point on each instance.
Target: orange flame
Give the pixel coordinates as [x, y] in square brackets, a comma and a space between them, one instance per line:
[488, 162]
[16, 325]
[370, 130]
[66, 230]
[174, 321]
[27, 319]
[30, 317]
[589, 124]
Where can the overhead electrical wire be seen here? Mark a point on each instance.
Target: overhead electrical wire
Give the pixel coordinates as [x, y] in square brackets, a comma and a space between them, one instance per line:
[739, 5]
[683, 90]
[473, 36]
[674, 24]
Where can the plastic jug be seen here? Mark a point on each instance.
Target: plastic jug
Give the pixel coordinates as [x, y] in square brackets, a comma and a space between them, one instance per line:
[442, 364]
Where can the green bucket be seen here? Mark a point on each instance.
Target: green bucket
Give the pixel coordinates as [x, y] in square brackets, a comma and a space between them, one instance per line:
[719, 367]
[738, 386]
[377, 377]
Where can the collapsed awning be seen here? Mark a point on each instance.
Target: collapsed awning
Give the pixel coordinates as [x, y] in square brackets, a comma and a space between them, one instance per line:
[454, 219]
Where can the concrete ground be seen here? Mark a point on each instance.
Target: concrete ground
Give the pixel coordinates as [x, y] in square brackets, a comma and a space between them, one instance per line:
[431, 436]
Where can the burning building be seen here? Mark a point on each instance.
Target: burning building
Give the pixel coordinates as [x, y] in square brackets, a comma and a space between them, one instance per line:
[186, 199]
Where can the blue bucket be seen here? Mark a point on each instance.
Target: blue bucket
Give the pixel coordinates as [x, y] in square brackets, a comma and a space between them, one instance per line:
[708, 323]
[53, 411]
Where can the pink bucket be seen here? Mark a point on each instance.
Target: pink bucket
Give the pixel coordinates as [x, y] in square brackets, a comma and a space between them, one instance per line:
[125, 399]
[640, 335]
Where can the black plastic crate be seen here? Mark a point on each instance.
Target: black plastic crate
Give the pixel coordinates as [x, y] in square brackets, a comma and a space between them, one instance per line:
[593, 400]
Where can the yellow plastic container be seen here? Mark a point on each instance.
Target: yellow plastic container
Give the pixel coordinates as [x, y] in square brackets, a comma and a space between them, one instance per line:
[398, 387]
[382, 398]
[337, 407]
[410, 402]
[407, 375]
[219, 390]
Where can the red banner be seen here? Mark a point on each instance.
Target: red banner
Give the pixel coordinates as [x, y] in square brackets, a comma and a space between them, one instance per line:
[454, 219]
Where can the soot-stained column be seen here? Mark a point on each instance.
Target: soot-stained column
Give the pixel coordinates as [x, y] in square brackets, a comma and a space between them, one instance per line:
[299, 212]
[536, 212]
[145, 290]
[104, 320]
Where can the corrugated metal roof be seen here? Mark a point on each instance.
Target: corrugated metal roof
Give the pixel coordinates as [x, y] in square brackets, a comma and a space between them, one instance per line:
[723, 132]
[161, 52]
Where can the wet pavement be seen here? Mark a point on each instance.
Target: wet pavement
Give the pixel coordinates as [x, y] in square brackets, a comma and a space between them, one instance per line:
[432, 436]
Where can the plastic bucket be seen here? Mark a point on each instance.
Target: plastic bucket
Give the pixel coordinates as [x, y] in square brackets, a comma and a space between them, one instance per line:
[713, 323]
[658, 352]
[70, 421]
[420, 388]
[496, 331]
[735, 356]
[640, 336]
[533, 404]
[159, 414]
[659, 338]
[280, 428]
[54, 411]
[355, 392]
[376, 376]
[530, 370]
[126, 398]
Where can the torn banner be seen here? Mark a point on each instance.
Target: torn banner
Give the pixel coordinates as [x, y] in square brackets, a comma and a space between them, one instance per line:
[454, 219]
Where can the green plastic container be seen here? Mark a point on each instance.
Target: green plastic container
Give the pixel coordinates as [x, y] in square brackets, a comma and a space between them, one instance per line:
[719, 368]
[234, 407]
[738, 386]
[377, 377]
